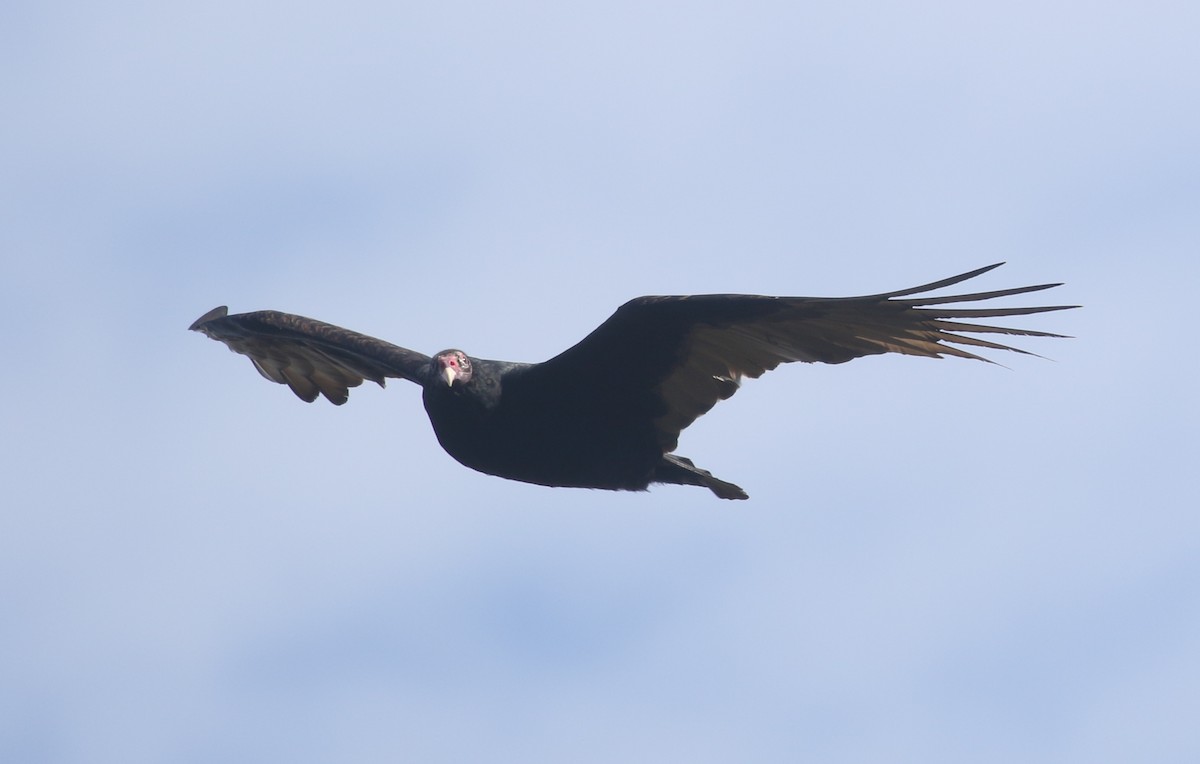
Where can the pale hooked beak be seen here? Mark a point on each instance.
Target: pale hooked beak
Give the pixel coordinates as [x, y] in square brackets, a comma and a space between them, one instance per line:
[450, 373]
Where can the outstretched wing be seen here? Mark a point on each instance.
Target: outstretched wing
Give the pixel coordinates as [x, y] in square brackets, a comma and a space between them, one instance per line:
[676, 357]
[310, 356]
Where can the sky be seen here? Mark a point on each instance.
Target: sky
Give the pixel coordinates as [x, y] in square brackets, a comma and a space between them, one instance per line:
[941, 561]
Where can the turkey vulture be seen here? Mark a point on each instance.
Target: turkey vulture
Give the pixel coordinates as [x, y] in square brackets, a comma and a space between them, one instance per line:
[607, 412]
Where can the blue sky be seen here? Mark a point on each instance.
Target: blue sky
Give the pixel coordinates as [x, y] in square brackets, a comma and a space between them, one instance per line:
[940, 561]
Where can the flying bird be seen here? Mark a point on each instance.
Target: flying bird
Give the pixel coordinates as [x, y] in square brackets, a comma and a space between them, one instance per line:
[607, 412]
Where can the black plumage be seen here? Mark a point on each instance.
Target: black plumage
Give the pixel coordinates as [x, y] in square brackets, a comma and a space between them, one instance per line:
[607, 412]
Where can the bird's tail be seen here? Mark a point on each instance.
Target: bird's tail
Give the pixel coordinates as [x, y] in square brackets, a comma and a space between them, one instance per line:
[679, 470]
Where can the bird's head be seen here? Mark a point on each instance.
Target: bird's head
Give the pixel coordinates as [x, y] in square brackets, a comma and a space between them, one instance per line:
[453, 366]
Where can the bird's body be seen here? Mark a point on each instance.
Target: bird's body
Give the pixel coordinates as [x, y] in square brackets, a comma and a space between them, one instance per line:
[493, 433]
[607, 412]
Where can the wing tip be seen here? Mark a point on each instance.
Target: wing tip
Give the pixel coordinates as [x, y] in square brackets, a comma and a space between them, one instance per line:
[218, 312]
